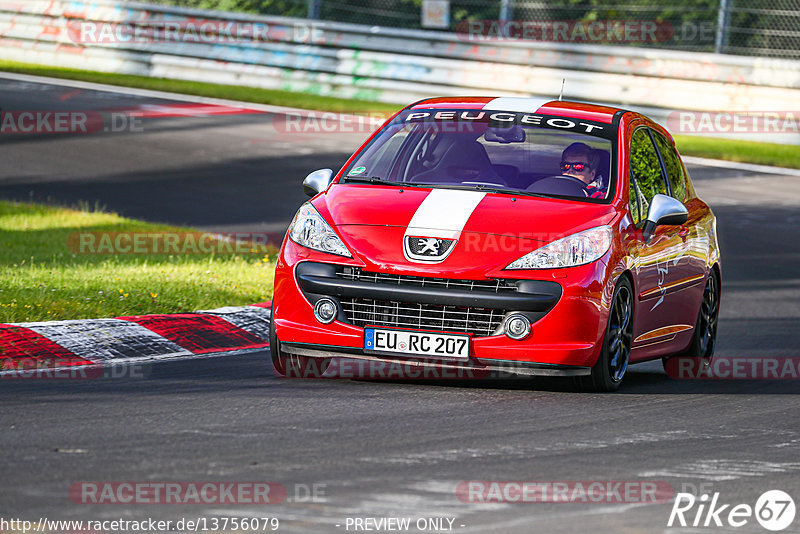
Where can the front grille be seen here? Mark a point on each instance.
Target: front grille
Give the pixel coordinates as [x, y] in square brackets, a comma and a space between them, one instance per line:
[496, 286]
[472, 320]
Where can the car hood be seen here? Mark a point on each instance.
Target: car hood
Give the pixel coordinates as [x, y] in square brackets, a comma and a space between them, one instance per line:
[497, 228]
[452, 210]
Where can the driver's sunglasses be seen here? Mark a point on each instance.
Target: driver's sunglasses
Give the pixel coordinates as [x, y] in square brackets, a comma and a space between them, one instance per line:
[576, 165]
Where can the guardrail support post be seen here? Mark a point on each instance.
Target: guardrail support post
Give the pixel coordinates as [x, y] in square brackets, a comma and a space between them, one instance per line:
[506, 10]
[723, 23]
[314, 9]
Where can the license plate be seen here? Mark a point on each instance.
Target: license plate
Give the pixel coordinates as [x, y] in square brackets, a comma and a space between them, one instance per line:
[415, 342]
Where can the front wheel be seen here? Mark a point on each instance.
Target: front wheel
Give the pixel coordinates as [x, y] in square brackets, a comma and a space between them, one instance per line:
[608, 372]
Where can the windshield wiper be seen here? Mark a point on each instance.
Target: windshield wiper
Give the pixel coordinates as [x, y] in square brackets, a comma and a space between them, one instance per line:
[368, 180]
[469, 187]
[376, 180]
[485, 187]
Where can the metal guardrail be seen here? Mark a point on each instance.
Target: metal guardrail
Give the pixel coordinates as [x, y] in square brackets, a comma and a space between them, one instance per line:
[393, 65]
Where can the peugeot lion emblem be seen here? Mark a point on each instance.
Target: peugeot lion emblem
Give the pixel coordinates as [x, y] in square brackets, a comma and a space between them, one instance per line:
[431, 249]
[430, 244]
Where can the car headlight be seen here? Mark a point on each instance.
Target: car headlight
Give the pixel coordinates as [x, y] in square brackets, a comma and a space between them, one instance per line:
[576, 249]
[310, 230]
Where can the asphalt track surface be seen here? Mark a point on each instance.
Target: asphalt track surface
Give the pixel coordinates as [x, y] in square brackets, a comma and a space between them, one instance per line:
[383, 449]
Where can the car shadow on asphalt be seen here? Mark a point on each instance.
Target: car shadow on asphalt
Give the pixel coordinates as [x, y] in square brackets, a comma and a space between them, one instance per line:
[254, 371]
[636, 382]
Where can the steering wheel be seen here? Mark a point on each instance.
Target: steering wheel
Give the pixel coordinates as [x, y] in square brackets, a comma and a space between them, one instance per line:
[560, 185]
[577, 181]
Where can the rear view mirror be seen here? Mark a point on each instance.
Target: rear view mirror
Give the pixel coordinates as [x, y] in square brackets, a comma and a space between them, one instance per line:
[663, 210]
[317, 182]
[505, 135]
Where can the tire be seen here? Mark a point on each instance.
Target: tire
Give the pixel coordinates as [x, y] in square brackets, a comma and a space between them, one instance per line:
[704, 340]
[292, 365]
[608, 372]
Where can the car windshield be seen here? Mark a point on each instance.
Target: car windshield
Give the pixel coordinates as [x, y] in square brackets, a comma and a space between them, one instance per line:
[519, 153]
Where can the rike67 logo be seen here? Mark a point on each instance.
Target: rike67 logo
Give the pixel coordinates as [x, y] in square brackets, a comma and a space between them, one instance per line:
[774, 510]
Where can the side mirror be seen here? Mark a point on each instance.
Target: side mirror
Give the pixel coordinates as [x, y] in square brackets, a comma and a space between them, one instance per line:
[317, 182]
[663, 210]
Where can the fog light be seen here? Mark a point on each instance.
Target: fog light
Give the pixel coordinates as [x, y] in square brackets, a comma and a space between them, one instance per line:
[325, 311]
[517, 326]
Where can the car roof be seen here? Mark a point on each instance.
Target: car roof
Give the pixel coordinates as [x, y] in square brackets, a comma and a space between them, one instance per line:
[565, 108]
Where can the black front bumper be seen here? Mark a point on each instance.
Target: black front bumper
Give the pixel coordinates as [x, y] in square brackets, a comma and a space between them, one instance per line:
[320, 279]
[480, 368]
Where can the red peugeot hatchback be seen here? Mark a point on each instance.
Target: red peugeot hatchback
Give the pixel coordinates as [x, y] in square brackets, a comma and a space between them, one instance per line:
[541, 238]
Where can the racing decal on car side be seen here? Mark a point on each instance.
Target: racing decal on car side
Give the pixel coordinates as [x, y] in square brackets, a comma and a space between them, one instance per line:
[437, 224]
[662, 277]
[671, 258]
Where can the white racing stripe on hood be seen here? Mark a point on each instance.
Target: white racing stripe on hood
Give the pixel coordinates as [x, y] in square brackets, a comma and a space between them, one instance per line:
[444, 213]
[518, 104]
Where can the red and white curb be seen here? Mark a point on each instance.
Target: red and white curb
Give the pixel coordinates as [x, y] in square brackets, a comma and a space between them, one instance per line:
[138, 338]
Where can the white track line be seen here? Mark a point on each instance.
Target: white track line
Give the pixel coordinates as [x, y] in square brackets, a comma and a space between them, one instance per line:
[766, 169]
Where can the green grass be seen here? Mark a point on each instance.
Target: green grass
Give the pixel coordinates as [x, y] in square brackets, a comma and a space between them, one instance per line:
[46, 277]
[211, 90]
[742, 151]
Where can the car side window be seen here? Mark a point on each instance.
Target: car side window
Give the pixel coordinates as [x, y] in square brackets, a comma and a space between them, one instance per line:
[677, 181]
[646, 178]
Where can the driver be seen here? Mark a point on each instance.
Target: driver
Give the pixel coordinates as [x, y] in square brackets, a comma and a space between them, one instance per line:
[579, 161]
